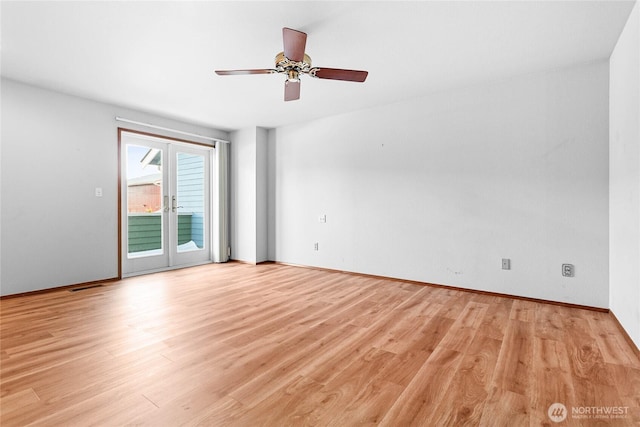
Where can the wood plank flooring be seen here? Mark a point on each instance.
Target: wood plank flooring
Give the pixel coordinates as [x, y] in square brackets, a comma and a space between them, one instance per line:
[274, 345]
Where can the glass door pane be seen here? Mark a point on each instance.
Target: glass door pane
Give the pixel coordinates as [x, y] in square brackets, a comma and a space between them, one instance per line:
[145, 234]
[190, 175]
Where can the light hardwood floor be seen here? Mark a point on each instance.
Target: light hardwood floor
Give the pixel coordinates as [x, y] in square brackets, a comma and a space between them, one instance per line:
[275, 345]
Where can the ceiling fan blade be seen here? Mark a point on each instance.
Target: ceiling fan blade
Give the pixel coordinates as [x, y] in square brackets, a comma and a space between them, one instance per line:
[291, 90]
[243, 72]
[294, 44]
[339, 74]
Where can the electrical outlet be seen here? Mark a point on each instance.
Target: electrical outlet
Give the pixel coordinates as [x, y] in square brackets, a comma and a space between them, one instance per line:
[98, 191]
[315, 246]
[506, 264]
[322, 218]
[568, 270]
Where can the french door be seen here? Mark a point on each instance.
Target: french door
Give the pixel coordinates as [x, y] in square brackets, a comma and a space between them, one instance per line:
[165, 218]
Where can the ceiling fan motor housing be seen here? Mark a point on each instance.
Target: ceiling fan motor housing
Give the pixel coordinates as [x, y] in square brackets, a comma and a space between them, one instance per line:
[293, 68]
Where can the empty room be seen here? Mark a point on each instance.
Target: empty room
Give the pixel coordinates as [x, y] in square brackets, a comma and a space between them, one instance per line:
[329, 213]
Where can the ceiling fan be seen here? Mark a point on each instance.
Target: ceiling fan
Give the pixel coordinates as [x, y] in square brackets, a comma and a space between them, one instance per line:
[293, 62]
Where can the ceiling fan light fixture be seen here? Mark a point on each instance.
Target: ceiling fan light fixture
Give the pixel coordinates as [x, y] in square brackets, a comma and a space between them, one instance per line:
[293, 76]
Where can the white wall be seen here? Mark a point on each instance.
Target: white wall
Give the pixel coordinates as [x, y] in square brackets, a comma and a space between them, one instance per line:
[249, 195]
[262, 199]
[272, 213]
[439, 189]
[243, 194]
[56, 149]
[624, 177]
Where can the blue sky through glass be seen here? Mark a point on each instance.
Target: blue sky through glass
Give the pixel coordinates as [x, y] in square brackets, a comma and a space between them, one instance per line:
[135, 153]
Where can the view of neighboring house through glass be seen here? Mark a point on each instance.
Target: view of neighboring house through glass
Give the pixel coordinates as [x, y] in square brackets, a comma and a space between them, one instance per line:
[144, 200]
[190, 195]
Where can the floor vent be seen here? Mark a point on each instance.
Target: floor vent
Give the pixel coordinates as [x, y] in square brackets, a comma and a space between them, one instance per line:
[84, 288]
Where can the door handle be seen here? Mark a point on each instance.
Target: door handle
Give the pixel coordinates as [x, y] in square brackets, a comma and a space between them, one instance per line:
[174, 202]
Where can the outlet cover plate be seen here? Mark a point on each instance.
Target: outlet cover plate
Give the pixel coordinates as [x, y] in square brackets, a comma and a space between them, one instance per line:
[568, 270]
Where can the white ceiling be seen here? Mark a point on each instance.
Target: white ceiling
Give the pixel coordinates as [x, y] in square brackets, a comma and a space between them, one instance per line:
[160, 56]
